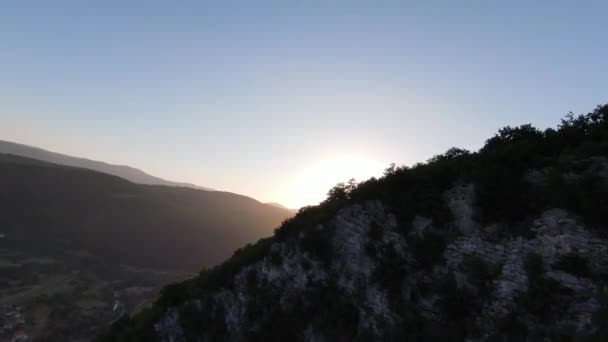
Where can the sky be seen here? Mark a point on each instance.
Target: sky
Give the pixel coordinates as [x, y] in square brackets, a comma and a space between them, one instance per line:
[279, 100]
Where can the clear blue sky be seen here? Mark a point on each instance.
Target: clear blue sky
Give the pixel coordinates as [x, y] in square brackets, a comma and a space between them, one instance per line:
[246, 96]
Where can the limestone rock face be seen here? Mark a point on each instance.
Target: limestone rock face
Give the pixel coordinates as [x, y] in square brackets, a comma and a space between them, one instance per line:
[364, 235]
[460, 201]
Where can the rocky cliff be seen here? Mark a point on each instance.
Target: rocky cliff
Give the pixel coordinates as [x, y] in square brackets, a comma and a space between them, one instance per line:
[505, 244]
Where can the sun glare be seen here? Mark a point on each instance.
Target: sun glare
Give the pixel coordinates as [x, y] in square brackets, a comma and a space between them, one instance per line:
[312, 184]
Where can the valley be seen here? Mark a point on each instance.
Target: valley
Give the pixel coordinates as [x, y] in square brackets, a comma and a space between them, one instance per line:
[80, 249]
[70, 295]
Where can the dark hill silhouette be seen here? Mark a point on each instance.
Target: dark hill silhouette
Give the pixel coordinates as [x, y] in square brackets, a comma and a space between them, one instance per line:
[123, 171]
[508, 243]
[46, 206]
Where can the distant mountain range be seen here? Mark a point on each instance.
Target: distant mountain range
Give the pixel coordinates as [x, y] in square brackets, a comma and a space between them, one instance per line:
[81, 246]
[122, 171]
[46, 207]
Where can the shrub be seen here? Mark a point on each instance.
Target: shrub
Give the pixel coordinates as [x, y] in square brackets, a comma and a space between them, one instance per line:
[252, 280]
[457, 306]
[276, 258]
[389, 271]
[375, 232]
[428, 249]
[480, 274]
[546, 298]
[573, 263]
[306, 264]
[510, 329]
[318, 243]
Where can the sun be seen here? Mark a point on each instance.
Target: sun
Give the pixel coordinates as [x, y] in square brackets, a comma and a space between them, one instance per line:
[311, 185]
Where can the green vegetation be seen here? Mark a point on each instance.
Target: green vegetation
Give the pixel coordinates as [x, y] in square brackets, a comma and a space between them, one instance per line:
[600, 318]
[427, 249]
[504, 193]
[375, 232]
[390, 271]
[498, 170]
[481, 275]
[458, 306]
[545, 297]
[573, 263]
[326, 308]
[217, 277]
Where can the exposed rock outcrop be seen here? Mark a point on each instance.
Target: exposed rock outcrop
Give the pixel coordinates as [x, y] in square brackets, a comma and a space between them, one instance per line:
[555, 233]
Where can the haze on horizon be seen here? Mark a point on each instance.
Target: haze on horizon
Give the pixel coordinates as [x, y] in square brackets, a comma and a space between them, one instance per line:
[279, 100]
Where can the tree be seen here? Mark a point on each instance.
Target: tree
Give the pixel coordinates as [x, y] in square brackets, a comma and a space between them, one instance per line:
[450, 154]
[341, 191]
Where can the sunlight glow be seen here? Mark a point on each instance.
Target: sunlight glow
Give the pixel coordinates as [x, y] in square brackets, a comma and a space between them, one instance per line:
[310, 187]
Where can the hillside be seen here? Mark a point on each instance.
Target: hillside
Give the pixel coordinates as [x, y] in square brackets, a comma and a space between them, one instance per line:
[505, 244]
[52, 207]
[79, 248]
[129, 173]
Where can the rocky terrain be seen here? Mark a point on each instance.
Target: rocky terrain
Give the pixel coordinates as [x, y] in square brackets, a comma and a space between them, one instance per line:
[506, 244]
[555, 236]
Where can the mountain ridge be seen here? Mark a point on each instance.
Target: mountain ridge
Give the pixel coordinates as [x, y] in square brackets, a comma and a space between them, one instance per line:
[124, 171]
[279, 205]
[41, 198]
[78, 247]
